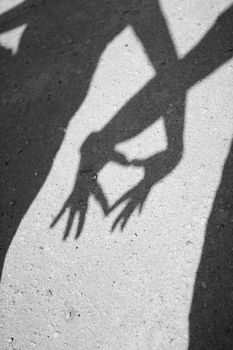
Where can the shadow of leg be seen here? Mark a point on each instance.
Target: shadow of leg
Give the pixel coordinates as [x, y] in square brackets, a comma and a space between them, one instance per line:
[211, 315]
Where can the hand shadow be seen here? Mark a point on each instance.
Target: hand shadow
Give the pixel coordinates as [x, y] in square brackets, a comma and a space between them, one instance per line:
[98, 150]
[93, 158]
[164, 96]
[156, 168]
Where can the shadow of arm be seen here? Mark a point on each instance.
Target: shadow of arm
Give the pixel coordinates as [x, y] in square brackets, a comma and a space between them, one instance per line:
[215, 49]
[18, 15]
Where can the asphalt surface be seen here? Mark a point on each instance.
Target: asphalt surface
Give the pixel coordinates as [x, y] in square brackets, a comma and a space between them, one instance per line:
[116, 174]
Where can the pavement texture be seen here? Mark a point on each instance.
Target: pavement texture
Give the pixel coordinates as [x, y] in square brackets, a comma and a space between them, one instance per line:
[116, 174]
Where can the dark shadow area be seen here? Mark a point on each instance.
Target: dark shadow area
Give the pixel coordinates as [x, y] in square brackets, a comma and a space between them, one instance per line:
[45, 83]
[211, 316]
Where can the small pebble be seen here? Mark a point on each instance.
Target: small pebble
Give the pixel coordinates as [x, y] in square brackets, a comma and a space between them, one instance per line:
[56, 334]
[10, 340]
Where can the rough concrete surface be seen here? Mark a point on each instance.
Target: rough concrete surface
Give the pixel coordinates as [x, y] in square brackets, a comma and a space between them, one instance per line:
[108, 89]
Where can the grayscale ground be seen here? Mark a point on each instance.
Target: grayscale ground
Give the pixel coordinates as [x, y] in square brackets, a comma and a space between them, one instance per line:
[142, 75]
